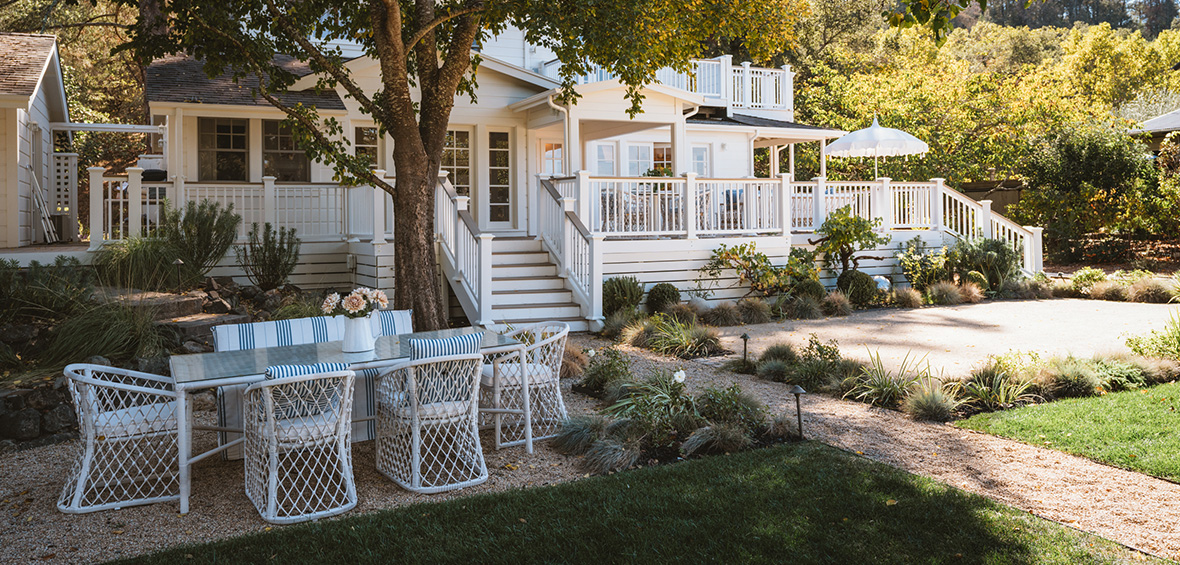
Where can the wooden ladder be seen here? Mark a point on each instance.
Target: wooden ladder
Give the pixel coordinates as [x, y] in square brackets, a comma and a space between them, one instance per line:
[42, 208]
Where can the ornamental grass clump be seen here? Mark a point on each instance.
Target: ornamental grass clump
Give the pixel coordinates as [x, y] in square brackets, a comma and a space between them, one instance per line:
[613, 325]
[672, 337]
[931, 400]
[1065, 289]
[1109, 290]
[970, 293]
[114, 331]
[754, 310]
[1163, 343]
[836, 303]
[774, 370]
[303, 306]
[1149, 290]
[805, 308]
[716, 438]
[723, 314]
[578, 434]
[990, 387]
[880, 386]
[908, 298]
[781, 351]
[1069, 377]
[944, 293]
[683, 313]
[639, 332]
[573, 362]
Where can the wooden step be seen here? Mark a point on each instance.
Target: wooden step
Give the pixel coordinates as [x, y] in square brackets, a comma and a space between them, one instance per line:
[524, 270]
[533, 311]
[515, 245]
[526, 283]
[500, 258]
[536, 297]
[576, 323]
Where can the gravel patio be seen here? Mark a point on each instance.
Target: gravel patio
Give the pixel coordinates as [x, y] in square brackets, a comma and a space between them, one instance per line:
[1131, 508]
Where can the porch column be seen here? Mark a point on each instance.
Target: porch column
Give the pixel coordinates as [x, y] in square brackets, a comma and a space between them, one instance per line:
[774, 164]
[985, 218]
[1036, 249]
[884, 208]
[823, 158]
[819, 204]
[784, 202]
[574, 148]
[379, 210]
[680, 160]
[936, 203]
[268, 201]
[690, 204]
[791, 159]
[96, 205]
[584, 197]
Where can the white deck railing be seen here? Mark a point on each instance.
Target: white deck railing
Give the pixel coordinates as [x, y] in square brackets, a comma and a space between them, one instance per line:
[718, 80]
[576, 251]
[465, 253]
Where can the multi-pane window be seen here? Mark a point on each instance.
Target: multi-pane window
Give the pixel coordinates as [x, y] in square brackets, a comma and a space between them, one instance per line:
[700, 160]
[552, 160]
[281, 156]
[638, 160]
[662, 157]
[605, 154]
[222, 149]
[365, 142]
[499, 177]
[456, 160]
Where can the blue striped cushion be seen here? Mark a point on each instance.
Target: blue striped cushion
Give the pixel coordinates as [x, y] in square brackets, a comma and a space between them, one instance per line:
[456, 345]
[393, 322]
[280, 371]
[235, 337]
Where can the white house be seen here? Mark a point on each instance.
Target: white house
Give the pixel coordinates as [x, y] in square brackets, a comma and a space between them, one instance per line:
[538, 201]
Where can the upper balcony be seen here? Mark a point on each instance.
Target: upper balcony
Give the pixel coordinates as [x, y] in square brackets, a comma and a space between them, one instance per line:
[755, 90]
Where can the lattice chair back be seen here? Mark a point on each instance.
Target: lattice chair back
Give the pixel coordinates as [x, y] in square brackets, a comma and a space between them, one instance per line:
[501, 385]
[128, 446]
[298, 331]
[298, 443]
[427, 439]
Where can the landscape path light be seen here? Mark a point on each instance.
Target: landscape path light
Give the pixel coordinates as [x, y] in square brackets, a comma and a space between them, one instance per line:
[178, 262]
[798, 391]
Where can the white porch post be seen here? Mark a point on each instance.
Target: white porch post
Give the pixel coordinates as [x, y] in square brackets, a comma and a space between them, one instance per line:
[727, 79]
[134, 201]
[268, 201]
[690, 204]
[596, 245]
[884, 208]
[823, 158]
[379, 210]
[788, 91]
[1035, 249]
[819, 205]
[680, 161]
[985, 217]
[485, 278]
[96, 207]
[574, 148]
[936, 203]
[747, 91]
[784, 202]
[774, 164]
[460, 206]
[584, 196]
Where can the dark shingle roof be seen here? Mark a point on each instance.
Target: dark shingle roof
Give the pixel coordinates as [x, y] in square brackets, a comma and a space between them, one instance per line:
[22, 58]
[180, 78]
[743, 120]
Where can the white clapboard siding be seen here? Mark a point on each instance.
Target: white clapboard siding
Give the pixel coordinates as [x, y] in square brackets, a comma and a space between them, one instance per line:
[321, 265]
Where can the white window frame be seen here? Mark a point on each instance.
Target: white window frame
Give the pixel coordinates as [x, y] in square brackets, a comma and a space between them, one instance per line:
[664, 164]
[356, 145]
[635, 164]
[598, 161]
[550, 165]
[511, 170]
[461, 190]
[707, 162]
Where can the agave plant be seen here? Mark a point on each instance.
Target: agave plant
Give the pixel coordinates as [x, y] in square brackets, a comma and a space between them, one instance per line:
[994, 390]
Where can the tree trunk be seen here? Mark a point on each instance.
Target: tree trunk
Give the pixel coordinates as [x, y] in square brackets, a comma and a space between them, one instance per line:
[416, 282]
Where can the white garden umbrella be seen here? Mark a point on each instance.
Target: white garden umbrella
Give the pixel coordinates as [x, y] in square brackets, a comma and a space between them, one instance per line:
[876, 141]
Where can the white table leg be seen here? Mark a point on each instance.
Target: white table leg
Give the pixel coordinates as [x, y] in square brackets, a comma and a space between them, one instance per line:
[528, 413]
[184, 445]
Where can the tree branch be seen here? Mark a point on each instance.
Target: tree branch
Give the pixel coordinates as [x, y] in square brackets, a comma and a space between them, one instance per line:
[90, 24]
[414, 39]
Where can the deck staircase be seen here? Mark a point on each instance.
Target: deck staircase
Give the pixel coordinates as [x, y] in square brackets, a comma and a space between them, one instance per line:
[526, 287]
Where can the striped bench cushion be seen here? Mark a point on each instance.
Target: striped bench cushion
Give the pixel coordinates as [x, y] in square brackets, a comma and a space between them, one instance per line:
[235, 337]
[465, 344]
[280, 371]
[393, 322]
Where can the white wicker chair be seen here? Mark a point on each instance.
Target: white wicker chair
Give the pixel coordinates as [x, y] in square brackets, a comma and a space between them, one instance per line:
[500, 385]
[128, 441]
[299, 448]
[427, 435]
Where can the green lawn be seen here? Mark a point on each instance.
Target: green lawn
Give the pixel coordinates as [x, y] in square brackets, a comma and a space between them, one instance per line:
[1135, 430]
[799, 503]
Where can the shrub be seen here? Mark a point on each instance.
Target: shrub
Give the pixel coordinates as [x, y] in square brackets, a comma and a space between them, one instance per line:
[621, 293]
[269, 258]
[774, 370]
[817, 349]
[1085, 278]
[1040, 287]
[144, 263]
[610, 455]
[731, 406]
[1155, 370]
[1164, 343]
[920, 266]
[638, 333]
[1109, 290]
[930, 400]
[781, 351]
[945, 292]
[818, 375]
[44, 291]
[671, 337]
[1065, 289]
[114, 331]
[200, 235]
[836, 303]
[879, 386]
[1069, 377]
[755, 269]
[719, 438]
[995, 259]
[661, 296]
[844, 234]
[754, 310]
[578, 434]
[805, 308]
[907, 298]
[741, 365]
[573, 362]
[860, 288]
[991, 388]
[783, 426]
[810, 287]
[1150, 290]
[970, 293]
[723, 314]
[660, 405]
[608, 366]
[978, 278]
[682, 313]
[613, 325]
[1117, 374]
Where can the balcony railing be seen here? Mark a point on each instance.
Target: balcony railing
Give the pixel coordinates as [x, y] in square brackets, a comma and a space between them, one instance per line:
[718, 80]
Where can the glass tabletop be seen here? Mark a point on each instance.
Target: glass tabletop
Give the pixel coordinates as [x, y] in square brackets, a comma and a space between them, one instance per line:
[194, 368]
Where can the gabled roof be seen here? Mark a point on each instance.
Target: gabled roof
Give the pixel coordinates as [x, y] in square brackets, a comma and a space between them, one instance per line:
[1163, 123]
[743, 120]
[182, 79]
[608, 85]
[23, 59]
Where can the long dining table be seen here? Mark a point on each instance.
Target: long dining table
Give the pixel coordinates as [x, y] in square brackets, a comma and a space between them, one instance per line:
[202, 371]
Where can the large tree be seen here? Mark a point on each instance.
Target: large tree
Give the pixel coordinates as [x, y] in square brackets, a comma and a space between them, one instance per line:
[425, 53]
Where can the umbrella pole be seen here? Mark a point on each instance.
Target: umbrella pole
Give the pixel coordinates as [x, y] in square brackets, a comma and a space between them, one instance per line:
[876, 175]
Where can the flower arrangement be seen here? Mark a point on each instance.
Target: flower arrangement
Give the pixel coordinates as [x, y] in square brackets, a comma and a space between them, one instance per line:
[358, 304]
